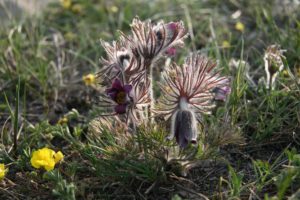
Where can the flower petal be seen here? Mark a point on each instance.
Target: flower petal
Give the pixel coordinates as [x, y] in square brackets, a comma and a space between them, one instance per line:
[171, 51]
[120, 109]
[127, 88]
[221, 93]
[171, 26]
[58, 156]
[112, 93]
[185, 130]
[50, 165]
[117, 84]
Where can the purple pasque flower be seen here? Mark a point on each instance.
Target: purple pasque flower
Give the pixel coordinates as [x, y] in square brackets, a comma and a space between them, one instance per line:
[153, 40]
[171, 35]
[222, 92]
[119, 93]
[187, 94]
[118, 59]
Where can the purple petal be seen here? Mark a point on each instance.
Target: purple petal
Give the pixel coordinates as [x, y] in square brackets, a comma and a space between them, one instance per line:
[120, 109]
[226, 89]
[112, 93]
[182, 141]
[117, 84]
[180, 136]
[127, 88]
[183, 129]
[222, 93]
[171, 26]
[171, 51]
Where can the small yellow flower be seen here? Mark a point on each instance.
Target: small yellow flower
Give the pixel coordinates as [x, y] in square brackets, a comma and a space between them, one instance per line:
[240, 26]
[66, 4]
[285, 73]
[70, 36]
[77, 8]
[58, 157]
[225, 44]
[46, 158]
[2, 171]
[63, 120]
[89, 79]
[298, 71]
[114, 9]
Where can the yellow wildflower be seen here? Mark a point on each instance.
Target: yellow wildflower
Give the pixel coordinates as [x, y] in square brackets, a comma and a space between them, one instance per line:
[285, 73]
[66, 3]
[70, 36]
[114, 9]
[2, 171]
[58, 157]
[240, 26]
[89, 79]
[46, 158]
[63, 120]
[225, 44]
[298, 71]
[77, 8]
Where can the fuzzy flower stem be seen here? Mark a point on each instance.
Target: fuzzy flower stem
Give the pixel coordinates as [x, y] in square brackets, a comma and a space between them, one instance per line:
[151, 105]
[183, 103]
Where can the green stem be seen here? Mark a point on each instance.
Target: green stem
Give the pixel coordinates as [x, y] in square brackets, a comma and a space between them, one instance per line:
[16, 116]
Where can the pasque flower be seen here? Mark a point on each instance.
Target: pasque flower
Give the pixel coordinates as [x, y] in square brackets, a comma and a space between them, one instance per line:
[222, 92]
[273, 59]
[45, 158]
[134, 54]
[131, 59]
[150, 40]
[188, 92]
[119, 93]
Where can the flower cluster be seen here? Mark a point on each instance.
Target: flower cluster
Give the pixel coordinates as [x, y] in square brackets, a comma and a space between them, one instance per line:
[45, 158]
[128, 66]
[128, 71]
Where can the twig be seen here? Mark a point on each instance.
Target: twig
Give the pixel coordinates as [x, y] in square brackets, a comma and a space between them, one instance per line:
[192, 192]
[253, 193]
[184, 179]
[9, 193]
[151, 187]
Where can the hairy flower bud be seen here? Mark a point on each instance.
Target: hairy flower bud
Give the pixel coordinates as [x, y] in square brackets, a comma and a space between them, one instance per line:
[273, 64]
[184, 125]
